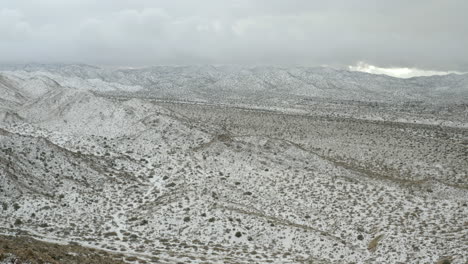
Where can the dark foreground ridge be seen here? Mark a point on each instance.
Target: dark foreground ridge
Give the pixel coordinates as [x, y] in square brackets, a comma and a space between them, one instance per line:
[24, 250]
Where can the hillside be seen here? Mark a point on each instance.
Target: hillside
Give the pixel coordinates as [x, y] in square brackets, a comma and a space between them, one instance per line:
[263, 82]
[223, 164]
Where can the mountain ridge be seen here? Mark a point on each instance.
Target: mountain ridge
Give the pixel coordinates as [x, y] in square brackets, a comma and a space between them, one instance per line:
[243, 82]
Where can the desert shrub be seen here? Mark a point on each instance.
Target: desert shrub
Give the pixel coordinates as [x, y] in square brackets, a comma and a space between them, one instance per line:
[224, 138]
[131, 258]
[108, 234]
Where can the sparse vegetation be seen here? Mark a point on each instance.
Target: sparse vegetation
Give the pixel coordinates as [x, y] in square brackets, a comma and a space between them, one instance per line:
[28, 250]
[312, 182]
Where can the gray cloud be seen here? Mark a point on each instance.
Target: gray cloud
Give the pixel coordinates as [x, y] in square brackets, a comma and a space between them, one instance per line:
[425, 34]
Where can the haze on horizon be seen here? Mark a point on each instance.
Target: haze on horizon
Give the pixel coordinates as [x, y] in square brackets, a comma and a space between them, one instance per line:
[397, 38]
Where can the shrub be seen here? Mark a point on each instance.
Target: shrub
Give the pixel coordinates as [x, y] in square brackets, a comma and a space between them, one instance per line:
[108, 234]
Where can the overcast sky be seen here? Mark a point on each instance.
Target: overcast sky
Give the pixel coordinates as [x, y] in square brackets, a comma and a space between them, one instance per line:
[423, 34]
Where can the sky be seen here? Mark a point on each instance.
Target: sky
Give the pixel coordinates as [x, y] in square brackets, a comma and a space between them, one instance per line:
[399, 38]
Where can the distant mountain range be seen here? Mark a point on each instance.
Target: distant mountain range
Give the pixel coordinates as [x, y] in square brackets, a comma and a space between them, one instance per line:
[234, 84]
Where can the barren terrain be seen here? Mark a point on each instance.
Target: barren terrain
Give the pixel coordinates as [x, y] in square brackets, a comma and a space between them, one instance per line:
[157, 166]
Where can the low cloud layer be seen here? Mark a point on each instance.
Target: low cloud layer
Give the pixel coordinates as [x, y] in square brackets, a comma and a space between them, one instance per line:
[427, 34]
[399, 72]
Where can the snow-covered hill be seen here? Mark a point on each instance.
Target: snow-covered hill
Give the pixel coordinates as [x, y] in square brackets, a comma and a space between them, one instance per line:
[219, 83]
[236, 165]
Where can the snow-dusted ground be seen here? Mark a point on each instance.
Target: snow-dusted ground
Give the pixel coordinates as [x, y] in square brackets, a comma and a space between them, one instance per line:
[297, 181]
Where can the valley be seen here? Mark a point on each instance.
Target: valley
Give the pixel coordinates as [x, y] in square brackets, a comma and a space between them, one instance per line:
[184, 172]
